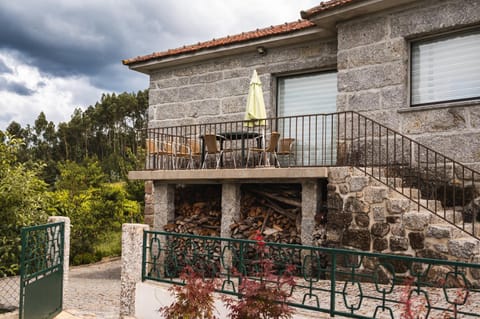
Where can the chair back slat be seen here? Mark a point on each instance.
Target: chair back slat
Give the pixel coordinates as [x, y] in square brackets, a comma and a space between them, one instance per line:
[274, 137]
[285, 145]
[211, 143]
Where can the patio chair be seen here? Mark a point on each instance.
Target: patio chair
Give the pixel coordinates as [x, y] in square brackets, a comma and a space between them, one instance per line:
[285, 148]
[189, 151]
[163, 152]
[270, 150]
[211, 148]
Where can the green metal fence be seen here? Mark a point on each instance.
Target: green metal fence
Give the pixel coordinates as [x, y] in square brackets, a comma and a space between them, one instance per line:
[41, 271]
[335, 281]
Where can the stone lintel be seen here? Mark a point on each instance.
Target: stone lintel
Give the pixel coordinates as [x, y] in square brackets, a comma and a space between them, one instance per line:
[239, 175]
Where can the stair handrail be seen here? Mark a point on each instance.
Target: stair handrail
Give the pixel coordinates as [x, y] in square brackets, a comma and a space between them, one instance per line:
[456, 187]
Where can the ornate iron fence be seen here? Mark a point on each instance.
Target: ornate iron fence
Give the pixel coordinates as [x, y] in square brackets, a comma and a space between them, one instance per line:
[335, 281]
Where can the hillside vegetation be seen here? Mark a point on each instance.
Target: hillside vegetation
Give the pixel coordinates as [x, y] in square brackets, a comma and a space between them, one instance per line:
[76, 169]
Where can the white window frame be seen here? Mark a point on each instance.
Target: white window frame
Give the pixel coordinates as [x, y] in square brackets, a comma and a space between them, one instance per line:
[326, 154]
[449, 39]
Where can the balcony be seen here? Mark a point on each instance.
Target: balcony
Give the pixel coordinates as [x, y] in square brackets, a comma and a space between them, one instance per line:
[288, 148]
[295, 147]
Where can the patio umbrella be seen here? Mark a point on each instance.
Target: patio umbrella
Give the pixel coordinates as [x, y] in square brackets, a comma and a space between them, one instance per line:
[255, 113]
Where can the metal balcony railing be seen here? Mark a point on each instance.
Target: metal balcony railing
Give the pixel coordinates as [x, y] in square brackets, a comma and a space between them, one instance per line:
[339, 282]
[447, 187]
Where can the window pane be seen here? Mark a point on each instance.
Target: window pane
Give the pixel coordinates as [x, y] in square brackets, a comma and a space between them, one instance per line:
[303, 95]
[446, 69]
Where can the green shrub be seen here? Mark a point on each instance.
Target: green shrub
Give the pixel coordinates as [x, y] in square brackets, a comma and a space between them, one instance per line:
[21, 202]
[97, 212]
[109, 245]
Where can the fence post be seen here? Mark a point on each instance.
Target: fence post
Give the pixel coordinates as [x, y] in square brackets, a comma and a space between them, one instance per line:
[132, 250]
[66, 247]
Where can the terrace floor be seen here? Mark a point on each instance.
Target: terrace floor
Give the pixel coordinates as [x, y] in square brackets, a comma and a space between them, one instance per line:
[206, 176]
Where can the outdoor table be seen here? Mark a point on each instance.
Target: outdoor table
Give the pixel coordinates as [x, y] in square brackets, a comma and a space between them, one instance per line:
[241, 135]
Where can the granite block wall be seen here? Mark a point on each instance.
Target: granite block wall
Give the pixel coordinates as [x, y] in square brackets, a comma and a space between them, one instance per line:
[373, 75]
[216, 90]
[365, 214]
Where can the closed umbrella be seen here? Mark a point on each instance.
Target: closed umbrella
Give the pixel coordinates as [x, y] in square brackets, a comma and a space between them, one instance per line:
[255, 113]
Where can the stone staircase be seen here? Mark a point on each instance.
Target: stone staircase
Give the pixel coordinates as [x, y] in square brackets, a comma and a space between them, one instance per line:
[378, 214]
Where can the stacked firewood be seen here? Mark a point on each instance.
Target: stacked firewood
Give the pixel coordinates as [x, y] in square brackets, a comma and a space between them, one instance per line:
[197, 211]
[272, 210]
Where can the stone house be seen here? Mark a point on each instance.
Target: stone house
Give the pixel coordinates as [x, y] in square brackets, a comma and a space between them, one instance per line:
[411, 65]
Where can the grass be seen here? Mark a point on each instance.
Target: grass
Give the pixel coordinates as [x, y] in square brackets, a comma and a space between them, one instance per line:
[109, 245]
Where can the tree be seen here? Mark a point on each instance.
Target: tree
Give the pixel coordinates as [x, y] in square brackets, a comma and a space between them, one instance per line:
[96, 209]
[21, 201]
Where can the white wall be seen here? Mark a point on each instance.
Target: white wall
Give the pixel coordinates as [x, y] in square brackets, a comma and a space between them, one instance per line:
[150, 296]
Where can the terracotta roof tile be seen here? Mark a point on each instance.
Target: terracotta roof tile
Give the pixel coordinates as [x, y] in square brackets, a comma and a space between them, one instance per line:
[324, 6]
[228, 40]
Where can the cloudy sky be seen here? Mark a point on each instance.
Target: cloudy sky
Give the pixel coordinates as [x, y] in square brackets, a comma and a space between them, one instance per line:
[58, 55]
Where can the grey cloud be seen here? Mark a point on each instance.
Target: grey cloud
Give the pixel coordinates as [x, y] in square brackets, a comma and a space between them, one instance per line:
[62, 39]
[91, 38]
[15, 87]
[4, 68]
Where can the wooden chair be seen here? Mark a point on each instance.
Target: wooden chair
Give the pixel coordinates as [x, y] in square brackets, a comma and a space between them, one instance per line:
[211, 148]
[189, 151]
[162, 152]
[271, 149]
[285, 147]
[152, 151]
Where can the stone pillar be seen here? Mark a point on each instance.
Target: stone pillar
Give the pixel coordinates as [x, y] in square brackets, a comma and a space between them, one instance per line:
[66, 246]
[132, 249]
[311, 199]
[231, 196]
[163, 204]
[149, 204]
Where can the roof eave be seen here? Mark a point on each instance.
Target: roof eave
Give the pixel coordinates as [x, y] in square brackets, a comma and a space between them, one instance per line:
[328, 19]
[151, 65]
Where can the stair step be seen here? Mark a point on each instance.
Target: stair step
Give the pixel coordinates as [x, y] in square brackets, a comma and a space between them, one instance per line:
[390, 181]
[453, 216]
[406, 191]
[470, 228]
[431, 205]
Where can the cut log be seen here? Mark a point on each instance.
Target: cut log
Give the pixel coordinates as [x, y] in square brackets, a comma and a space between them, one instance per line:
[278, 198]
[279, 209]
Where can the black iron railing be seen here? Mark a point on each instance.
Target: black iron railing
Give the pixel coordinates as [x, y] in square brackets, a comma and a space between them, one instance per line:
[307, 140]
[335, 281]
[447, 187]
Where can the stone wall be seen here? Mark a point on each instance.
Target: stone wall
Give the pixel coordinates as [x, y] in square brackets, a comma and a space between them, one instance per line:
[216, 90]
[367, 215]
[373, 64]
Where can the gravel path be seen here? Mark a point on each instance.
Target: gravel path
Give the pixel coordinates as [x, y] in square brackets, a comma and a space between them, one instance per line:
[93, 291]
